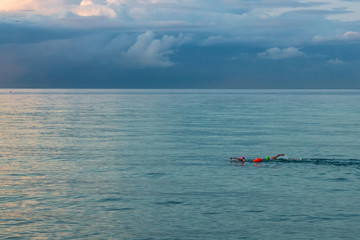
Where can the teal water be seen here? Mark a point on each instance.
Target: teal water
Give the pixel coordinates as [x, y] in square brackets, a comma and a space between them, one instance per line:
[154, 164]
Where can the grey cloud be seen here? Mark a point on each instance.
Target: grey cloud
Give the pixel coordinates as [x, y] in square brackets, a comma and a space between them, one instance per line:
[245, 20]
[124, 50]
[148, 51]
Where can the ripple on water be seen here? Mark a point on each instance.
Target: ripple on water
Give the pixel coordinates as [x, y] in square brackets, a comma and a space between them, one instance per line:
[339, 179]
[169, 203]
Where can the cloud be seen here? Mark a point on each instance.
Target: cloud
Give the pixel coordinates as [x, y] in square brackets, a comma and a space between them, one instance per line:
[336, 61]
[184, 10]
[117, 2]
[270, 23]
[10, 5]
[25, 8]
[138, 13]
[213, 40]
[116, 50]
[148, 51]
[235, 20]
[351, 35]
[60, 8]
[88, 8]
[319, 38]
[277, 53]
[347, 36]
[27, 5]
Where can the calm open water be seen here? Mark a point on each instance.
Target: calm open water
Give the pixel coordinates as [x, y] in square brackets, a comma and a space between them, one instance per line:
[154, 164]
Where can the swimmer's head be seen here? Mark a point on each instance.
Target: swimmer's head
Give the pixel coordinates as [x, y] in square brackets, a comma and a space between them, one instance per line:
[242, 157]
[267, 158]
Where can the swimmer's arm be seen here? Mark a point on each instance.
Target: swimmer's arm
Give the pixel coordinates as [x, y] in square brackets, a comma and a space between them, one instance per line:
[275, 157]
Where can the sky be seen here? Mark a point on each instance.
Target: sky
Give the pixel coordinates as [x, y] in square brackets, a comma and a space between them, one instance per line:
[228, 44]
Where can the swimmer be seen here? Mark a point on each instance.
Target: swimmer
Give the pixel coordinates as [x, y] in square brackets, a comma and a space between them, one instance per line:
[242, 159]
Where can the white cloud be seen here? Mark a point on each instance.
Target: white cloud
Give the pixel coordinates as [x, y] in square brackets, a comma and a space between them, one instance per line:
[278, 53]
[336, 61]
[88, 8]
[148, 51]
[351, 35]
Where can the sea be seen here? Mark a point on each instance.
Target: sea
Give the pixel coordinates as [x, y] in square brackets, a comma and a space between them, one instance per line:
[155, 164]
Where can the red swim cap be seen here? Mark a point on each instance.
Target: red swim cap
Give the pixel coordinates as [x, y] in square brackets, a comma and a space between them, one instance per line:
[257, 160]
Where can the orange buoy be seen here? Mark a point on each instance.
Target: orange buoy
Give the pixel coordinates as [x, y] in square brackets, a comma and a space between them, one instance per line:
[257, 160]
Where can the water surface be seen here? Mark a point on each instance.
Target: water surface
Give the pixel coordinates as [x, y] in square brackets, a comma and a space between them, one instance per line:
[154, 164]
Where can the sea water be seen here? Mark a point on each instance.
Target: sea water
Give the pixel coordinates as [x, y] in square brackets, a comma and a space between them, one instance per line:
[154, 164]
